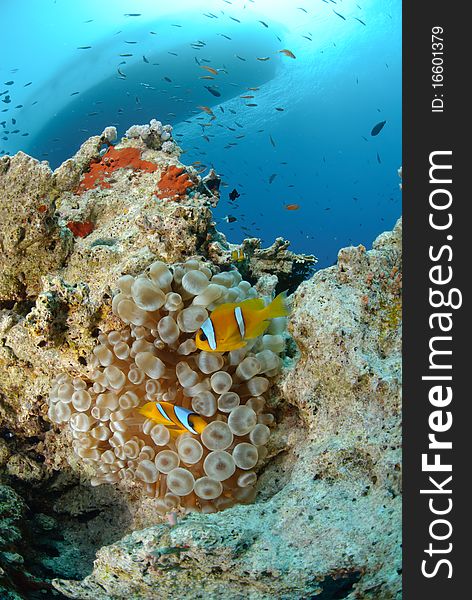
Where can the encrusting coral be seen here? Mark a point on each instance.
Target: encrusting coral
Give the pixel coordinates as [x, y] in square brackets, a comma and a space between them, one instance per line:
[113, 159]
[80, 229]
[153, 358]
[174, 183]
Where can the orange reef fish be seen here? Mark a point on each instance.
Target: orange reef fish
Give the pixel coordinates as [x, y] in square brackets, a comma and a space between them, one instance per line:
[292, 206]
[206, 109]
[210, 69]
[288, 53]
[230, 325]
[176, 418]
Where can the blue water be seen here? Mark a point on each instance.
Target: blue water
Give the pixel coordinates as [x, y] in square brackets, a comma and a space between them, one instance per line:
[317, 152]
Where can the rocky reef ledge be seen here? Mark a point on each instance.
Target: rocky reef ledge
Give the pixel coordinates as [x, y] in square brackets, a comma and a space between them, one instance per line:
[326, 522]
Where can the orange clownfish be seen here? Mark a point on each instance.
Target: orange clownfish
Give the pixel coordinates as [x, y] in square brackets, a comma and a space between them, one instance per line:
[176, 418]
[230, 325]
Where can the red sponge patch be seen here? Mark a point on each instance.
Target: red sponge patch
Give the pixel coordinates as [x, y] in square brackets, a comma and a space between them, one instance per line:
[112, 160]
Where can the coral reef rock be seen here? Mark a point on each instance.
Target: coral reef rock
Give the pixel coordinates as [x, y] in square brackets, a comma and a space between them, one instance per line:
[325, 521]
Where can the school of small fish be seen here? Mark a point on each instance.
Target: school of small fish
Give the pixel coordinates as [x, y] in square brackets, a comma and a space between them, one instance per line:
[215, 79]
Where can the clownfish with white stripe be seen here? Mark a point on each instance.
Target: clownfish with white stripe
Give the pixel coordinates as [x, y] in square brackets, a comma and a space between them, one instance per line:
[176, 418]
[238, 255]
[231, 325]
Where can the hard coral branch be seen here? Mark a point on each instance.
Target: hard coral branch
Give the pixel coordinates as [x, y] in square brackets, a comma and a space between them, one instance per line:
[174, 182]
[112, 160]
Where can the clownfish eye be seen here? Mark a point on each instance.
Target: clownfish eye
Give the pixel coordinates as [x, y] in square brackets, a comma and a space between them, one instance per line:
[203, 337]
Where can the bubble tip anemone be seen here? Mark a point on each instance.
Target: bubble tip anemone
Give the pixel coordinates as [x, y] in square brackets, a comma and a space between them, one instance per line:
[112, 418]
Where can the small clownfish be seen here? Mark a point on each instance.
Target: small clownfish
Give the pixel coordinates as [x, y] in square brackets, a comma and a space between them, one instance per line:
[230, 325]
[176, 418]
[238, 255]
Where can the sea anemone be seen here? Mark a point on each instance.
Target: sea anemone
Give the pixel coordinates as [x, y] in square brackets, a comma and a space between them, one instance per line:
[153, 358]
